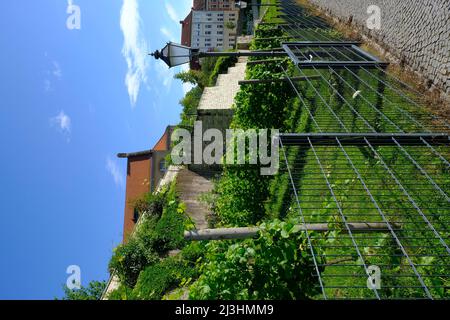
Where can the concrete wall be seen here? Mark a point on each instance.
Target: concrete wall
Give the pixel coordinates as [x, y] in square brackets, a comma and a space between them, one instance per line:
[416, 32]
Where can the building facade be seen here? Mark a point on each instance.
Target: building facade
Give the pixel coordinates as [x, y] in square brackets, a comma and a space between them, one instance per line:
[144, 171]
[214, 30]
[221, 5]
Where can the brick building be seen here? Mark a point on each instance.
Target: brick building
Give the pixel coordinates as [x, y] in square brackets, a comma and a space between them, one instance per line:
[144, 171]
[213, 5]
[221, 5]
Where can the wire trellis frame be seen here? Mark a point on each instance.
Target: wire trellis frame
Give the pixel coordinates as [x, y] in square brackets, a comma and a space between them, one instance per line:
[369, 153]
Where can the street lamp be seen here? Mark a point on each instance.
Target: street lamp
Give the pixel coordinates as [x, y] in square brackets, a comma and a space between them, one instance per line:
[244, 5]
[241, 4]
[174, 54]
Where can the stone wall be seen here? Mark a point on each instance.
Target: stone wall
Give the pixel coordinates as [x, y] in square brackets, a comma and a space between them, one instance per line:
[416, 32]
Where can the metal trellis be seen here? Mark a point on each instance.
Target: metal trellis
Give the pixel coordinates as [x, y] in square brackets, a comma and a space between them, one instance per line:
[368, 152]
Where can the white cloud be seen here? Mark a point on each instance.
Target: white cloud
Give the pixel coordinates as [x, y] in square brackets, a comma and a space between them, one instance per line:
[47, 85]
[176, 16]
[173, 14]
[168, 34]
[56, 70]
[186, 86]
[165, 75]
[117, 174]
[134, 48]
[63, 123]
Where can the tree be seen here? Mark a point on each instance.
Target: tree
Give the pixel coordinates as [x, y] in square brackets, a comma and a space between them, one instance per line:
[92, 292]
[194, 77]
[230, 25]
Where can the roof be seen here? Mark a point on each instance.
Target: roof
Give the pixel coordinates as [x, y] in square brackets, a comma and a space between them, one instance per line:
[199, 5]
[186, 30]
[167, 131]
[135, 154]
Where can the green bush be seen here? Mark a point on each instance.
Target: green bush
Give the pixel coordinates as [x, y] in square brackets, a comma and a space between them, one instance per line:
[121, 293]
[151, 204]
[242, 192]
[277, 265]
[157, 279]
[153, 237]
[170, 228]
[93, 291]
[194, 251]
[130, 259]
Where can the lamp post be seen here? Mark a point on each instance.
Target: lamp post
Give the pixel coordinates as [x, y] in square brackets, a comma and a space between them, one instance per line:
[244, 5]
[174, 54]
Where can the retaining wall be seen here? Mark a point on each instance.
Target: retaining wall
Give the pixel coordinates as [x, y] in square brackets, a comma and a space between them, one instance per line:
[416, 32]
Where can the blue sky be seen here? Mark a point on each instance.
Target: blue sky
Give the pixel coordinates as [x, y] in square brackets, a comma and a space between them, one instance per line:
[72, 99]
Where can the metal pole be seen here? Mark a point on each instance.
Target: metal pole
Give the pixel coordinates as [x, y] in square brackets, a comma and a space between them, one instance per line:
[251, 232]
[257, 81]
[243, 54]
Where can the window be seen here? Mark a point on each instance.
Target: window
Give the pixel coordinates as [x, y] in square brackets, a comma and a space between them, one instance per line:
[162, 166]
[208, 26]
[135, 215]
[207, 32]
[219, 32]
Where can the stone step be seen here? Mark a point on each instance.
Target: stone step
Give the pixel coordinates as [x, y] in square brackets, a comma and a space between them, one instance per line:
[221, 80]
[191, 194]
[196, 179]
[199, 185]
[190, 186]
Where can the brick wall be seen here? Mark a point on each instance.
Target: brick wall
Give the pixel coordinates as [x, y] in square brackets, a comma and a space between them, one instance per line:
[138, 183]
[416, 32]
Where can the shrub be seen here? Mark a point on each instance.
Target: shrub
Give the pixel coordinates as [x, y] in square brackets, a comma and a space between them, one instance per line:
[194, 251]
[153, 237]
[92, 292]
[277, 265]
[157, 279]
[151, 204]
[121, 293]
[242, 193]
[170, 228]
[130, 258]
